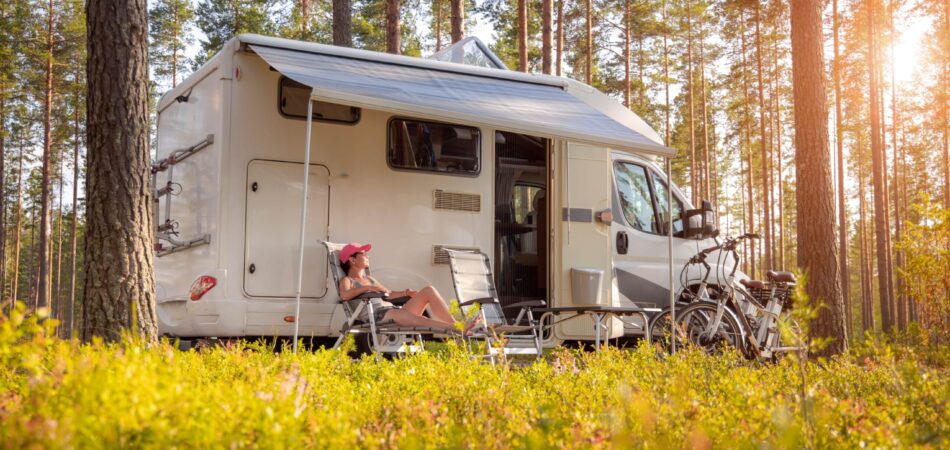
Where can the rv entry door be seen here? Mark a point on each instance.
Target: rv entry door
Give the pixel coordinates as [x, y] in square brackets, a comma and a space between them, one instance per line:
[583, 184]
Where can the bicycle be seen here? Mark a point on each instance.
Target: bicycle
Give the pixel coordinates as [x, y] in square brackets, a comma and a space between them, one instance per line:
[660, 324]
[745, 315]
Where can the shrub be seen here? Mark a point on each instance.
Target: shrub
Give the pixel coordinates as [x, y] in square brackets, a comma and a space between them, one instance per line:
[63, 394]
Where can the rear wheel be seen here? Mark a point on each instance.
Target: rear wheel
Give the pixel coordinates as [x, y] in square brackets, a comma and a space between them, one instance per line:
[696, 323]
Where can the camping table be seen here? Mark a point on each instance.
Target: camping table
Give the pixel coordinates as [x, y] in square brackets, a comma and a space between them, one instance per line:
[598, 313]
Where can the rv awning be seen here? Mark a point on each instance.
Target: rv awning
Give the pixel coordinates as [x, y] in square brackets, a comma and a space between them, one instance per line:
[531, 108]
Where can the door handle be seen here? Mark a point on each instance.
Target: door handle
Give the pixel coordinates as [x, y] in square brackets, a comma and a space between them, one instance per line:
[623, 242]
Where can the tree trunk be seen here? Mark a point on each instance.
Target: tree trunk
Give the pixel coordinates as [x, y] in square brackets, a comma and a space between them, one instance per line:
[57, 292]
[72, 259]
[3, 197]
[15, 283]
[707, 191]
[763, 141]
[748, 133]
[304, 17]
[693, 185]
[558, 57]
[946, 114]
[43, 288]
[626, 53]
[522, 35]
[437, 5]
[546, 28]
[877, 178]
[779, 159]
[666, 77]
[839, 146]
[817, 246]
[458, 20]
[899, 257]
[392, 27]
[589, 56]
[119, 284]
[867, 304]
[342, 23]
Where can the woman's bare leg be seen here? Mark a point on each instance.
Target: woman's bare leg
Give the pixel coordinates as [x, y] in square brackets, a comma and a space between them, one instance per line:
[405, 318]
[437, 306]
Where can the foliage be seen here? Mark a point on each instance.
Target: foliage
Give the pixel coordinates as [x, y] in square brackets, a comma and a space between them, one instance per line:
[926, 273]
[60, 393]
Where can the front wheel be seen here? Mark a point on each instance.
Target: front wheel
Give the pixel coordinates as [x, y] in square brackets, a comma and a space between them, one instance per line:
[705, 326]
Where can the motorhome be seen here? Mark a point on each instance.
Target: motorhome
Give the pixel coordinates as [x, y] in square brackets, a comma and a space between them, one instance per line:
[544, 174]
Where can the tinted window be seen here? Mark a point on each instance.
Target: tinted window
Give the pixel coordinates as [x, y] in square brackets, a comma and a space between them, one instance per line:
[293, 103]
[633, 188]
[661, 195]
[432, 146]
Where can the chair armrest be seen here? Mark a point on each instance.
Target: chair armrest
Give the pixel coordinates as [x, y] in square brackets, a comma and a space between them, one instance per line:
[399, 301]
[480, 301]
[526, 304]
[370, 295]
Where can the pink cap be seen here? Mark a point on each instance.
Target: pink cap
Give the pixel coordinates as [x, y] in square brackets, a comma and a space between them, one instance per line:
[353, 248]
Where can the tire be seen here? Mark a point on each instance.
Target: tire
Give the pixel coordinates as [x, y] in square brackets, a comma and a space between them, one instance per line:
[694, 319]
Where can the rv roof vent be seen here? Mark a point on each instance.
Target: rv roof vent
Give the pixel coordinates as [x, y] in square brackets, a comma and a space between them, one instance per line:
[456, 201]
[440, 256]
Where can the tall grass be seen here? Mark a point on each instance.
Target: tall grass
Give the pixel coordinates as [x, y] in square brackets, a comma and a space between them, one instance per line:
[62, 394]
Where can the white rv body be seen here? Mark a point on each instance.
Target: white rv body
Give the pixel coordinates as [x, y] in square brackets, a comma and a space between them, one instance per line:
[238, 201]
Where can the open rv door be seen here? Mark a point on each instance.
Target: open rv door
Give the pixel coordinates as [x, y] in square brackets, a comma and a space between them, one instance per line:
[583, 185]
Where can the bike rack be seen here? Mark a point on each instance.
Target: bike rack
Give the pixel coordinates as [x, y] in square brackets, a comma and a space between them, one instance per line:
[167, 230]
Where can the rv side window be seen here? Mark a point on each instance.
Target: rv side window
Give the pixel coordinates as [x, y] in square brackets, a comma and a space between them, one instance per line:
[293, 103]
[432, 146]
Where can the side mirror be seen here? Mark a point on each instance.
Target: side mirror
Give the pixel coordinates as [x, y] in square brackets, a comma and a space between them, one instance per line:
[701, 222]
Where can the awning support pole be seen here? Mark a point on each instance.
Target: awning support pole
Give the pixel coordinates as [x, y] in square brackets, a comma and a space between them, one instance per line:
[303, 218]
[669, 242]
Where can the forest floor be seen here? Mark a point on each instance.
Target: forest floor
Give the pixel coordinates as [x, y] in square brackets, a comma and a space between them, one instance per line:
[63, 394]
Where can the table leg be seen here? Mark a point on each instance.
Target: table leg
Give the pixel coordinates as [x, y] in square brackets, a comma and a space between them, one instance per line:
[599, 318]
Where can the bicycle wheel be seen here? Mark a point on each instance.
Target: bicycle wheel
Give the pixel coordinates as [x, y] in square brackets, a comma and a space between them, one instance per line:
[695, 320]
[661, 329]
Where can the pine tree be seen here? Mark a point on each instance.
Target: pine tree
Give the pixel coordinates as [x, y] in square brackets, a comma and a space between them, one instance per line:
[170, 35]
[221, 20]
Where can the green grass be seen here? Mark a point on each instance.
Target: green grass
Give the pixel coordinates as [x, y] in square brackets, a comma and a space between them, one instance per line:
[63, 394]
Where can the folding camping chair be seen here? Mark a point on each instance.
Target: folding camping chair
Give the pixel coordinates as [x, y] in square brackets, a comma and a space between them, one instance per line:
[474, 284]
[383, 337]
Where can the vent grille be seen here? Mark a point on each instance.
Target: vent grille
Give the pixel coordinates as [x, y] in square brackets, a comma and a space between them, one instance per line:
[456, 201]
[441, 257]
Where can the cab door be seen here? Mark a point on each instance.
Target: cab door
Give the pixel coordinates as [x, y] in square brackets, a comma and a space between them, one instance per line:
[584, 190]
[640, 248]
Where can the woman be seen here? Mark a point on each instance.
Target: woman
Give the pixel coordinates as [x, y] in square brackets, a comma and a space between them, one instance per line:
[354, 261]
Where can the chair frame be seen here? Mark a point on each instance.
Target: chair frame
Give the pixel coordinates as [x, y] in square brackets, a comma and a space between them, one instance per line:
[385, 336]
[503, 345]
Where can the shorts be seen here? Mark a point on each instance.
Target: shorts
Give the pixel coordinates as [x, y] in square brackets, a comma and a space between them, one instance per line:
[379, 313]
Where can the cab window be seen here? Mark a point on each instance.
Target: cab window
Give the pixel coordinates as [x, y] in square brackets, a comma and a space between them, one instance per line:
[633, 188]
[661, 196]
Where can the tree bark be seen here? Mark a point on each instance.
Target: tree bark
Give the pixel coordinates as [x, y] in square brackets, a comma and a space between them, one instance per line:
[666, 75]
[877, 178]
[392, 27]
[763, 142]
[839, 146]
[817, 246]
[438, 24]
[342, 23]
[626, 53]
[899, 256]
[458, 20]
[546, 28]
[559, 51]
[15, 283]
[72, 259]
[693, 184]
[43, 288]
[867, 304]
[779, 160]
[522, 35]
[3, 197]
[119, 284]
[589, 56]
[748, 133]
[707, 191]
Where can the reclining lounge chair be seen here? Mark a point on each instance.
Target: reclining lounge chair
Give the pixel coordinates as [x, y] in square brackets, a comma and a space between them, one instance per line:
[473, 282]
[383, 337]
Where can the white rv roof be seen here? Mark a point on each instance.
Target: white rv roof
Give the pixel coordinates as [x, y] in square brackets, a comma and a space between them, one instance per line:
[514, 101]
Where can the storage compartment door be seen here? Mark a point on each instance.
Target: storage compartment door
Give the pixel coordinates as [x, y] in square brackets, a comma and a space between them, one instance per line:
[272, 233]
[584, 190]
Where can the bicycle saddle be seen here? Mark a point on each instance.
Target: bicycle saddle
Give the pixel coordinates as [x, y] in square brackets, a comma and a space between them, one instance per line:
[781, 277]
[753, 284]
